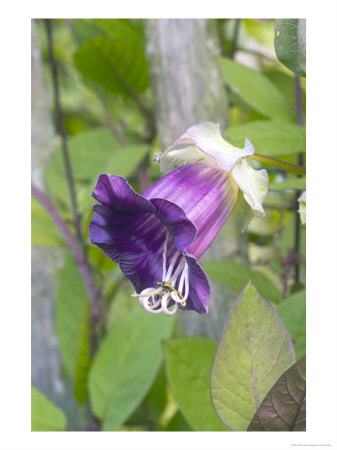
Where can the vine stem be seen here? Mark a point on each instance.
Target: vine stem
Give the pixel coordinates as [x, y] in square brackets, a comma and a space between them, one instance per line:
[293, 168]
[299, 121]
[62, 131]
[83, 266]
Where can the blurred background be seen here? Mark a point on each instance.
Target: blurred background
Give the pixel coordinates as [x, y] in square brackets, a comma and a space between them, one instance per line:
[107, 94]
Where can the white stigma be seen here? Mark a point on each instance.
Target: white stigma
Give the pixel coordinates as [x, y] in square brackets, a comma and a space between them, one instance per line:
[165, 297]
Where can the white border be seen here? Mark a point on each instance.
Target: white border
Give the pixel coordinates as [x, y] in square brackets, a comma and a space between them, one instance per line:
[321, 218]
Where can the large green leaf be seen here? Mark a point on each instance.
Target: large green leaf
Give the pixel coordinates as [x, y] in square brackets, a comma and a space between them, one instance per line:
[44, 230]
[255, 89]
[118, 65]
[236, 276]
[120, 28]
[122, 304]
[290, 42]
[45, 415]
[188, 366]
[293, 313]
[253, 352]
[73, 326]
[284, 407]
[91, 153]
[84, 29]
[126, 365]
[269, 137]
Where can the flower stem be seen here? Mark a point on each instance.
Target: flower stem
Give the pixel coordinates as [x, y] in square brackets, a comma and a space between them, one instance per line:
[294, 168]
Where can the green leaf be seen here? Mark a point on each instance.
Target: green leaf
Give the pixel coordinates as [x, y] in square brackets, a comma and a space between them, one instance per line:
[269, 137]
[126, 365]
[236, 276]
[73, 326]
[44, 231]
[285, 83]
[253, 352]
[293, 183]
[292, 311]
[120, 28]
[255, 89]
[118, 65]
[45, 415]
[84, 29]
[156, 398]
[290, 41]
[122, 304]
[91, 153]
[178, 423]
[284, 407]
[188, 366]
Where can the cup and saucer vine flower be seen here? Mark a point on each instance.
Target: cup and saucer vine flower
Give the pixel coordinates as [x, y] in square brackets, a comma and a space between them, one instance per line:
[158, 237]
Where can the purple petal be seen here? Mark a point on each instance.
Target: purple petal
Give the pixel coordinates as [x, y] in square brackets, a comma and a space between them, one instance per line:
[205, 193]
[142, 269]
[116, 193]
[128, 223]
[181, 228]
[199, 288]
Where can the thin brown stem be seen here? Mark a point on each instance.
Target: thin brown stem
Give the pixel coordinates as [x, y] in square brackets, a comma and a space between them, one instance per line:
[299, 121]
[83, 266]
[62, 132]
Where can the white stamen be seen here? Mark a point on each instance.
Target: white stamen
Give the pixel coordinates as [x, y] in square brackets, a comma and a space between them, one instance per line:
[172, 264]
[148, 292]
[182, 279]
[186, 284]
[164, 302]
[150, 309]
[165, 253]
[177, 272]
[155, 299]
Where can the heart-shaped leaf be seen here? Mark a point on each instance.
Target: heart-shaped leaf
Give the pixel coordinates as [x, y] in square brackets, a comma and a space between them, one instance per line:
[254, 350]
[284, 407]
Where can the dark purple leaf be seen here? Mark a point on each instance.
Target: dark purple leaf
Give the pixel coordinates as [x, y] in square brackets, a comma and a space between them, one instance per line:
[283, 408]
